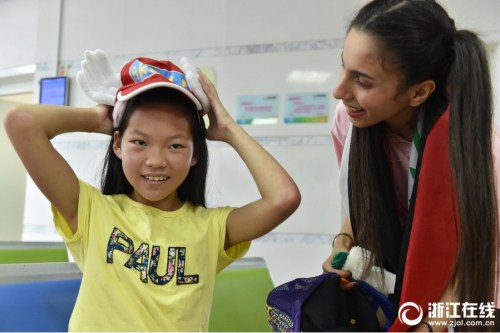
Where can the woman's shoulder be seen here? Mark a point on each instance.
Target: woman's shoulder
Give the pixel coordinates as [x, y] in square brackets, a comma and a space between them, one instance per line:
[340, 129]
[341, 123]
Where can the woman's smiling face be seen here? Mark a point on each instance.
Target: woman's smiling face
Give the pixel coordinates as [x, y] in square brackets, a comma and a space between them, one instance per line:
[369, 87]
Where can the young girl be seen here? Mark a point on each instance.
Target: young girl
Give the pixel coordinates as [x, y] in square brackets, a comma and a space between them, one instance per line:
[148, 247]
[419, 161]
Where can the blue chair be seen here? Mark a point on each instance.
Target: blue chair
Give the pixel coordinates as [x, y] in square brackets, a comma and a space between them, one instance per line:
[37, 306]
[40, 297]
[37, 297]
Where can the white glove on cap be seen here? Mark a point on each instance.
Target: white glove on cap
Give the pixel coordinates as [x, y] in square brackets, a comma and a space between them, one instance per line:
[193, 80]
[97, 79]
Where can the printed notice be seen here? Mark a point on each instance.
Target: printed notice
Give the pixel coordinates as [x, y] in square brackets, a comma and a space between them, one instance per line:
[306, 108]
[257, 109]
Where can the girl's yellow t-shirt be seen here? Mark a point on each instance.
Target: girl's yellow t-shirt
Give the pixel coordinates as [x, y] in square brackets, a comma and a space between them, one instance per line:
[145, 269]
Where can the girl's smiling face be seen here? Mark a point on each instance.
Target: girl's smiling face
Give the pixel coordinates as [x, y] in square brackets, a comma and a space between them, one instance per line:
[157, 153]
[369, 87]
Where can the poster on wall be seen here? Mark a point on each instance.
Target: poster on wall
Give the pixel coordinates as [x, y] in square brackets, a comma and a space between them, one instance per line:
[257, 109]
[306, 108]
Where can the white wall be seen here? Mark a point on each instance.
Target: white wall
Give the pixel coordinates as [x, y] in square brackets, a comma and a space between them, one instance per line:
[252, 46]
[18, 35]
[13, 183]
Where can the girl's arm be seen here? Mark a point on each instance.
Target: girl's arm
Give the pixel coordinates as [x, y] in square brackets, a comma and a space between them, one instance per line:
[30, 129]
[280, 197]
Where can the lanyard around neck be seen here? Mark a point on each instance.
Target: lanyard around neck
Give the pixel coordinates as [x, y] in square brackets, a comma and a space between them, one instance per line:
[415, 151]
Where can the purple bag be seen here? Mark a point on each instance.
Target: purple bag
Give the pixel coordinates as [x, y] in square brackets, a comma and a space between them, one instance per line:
[320, 304]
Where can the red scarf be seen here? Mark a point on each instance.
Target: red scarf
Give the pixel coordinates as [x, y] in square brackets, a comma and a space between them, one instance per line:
[435, 230]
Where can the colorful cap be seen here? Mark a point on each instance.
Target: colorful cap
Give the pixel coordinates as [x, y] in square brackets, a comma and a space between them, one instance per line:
[142, 74]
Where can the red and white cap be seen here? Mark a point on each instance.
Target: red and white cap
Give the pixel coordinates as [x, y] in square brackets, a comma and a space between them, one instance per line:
[142, 74]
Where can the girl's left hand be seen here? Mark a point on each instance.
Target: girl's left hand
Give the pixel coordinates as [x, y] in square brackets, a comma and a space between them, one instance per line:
[220, 120]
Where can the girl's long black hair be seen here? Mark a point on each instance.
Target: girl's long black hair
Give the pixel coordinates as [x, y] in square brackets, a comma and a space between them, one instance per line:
[113, 179]
[419, 39]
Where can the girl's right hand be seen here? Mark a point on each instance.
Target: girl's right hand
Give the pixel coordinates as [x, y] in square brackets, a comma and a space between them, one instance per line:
[104, 118]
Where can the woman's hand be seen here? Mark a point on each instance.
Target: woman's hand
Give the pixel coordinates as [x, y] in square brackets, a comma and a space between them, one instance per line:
[220, 120]
[345, 275]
